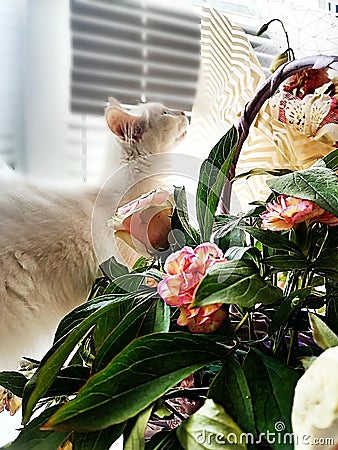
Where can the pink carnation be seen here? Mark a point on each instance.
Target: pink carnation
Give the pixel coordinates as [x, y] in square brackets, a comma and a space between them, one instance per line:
[185, 269]
[285, 212]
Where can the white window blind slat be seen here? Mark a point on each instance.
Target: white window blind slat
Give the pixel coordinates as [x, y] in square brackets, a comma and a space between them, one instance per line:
[134, 51]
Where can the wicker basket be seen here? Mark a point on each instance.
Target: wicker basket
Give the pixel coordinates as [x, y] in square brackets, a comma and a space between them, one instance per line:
[264, 93]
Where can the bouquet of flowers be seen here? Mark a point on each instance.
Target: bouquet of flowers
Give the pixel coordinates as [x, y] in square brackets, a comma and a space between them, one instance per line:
[204, 342]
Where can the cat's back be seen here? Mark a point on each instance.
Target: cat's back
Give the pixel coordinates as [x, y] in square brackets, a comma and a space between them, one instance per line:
[45, 236]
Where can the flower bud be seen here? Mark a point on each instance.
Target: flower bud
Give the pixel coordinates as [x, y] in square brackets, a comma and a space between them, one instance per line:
[278, 60]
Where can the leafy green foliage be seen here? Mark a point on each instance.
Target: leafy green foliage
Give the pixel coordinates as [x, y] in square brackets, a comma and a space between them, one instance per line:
[318, 184]
[271, 385]
[119, 358]
[13, 381]
[322, 334]
[230, 389]
[97, 440]
[39, 384]
[180, 219]
[213, 176]
[32, 438]
[129, 384]
[235, 282]
[210, 428]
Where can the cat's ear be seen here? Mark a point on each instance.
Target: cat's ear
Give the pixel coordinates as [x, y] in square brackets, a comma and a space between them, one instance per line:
[126, 127]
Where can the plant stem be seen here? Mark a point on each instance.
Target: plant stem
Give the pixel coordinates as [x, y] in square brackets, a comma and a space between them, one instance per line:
[173, 410]
[244, 319]
[289, 49]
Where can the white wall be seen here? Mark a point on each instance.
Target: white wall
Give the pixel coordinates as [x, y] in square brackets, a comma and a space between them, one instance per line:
[46, 82]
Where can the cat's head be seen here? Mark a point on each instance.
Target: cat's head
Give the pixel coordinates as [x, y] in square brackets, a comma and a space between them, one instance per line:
[150, 127]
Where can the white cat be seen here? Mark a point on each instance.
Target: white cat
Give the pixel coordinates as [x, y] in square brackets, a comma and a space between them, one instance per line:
[47, 258]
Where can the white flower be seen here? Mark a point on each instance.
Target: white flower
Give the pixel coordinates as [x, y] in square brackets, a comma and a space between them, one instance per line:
[315, 406]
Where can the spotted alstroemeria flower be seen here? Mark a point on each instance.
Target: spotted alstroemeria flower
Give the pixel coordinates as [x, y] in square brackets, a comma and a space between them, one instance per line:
[285, 212]
[184, 271]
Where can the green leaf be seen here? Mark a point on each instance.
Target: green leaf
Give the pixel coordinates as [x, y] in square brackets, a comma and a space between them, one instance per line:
[192, 235]
[32, 438]
[79, 314]
[323, 336]
[272, 386]
[141, 264]
[164, 440]
[98, 440]
[50, 365]
[235, 282]
[210, 428]
[332, 306]
[243, 253]
[286, 309]
[272, 239]
[261, 171]
[327, 260]
[132, 326]
[135, 378]
[318, 184]
[330, 161]
[286, 262]
[213, 176]
[230, 389]
[113, 269]
[125, 284]
[135, 438]
[13, 381]
[69, 381]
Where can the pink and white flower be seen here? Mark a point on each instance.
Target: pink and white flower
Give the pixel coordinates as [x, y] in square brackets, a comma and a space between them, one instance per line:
[144, 223]
[286, 211]
[184, 271]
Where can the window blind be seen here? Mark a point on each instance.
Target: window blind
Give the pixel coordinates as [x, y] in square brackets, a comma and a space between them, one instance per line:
[136, 51]
[132, 50]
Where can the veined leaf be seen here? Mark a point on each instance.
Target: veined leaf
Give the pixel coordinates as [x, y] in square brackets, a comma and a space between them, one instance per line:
[13, 381]
[132, 326]
[182, 213]
[32, 438]
[272, 386]
[164, 440]
[235, 282]
[213, 175]
[97, 440]
[69, 381]
[318, 184]
[273, 239]
[322, 334]
[283, 262]
[330, 160]
[79, 314]
[113, 269]
[135, 437]
[210, 428]
[135, 378]
[261, 171]
[52, 362]
[332, 306]
[230, 389]
[286, 309]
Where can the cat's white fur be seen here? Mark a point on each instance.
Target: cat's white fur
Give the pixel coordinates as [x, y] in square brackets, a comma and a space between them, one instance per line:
[47, 258]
